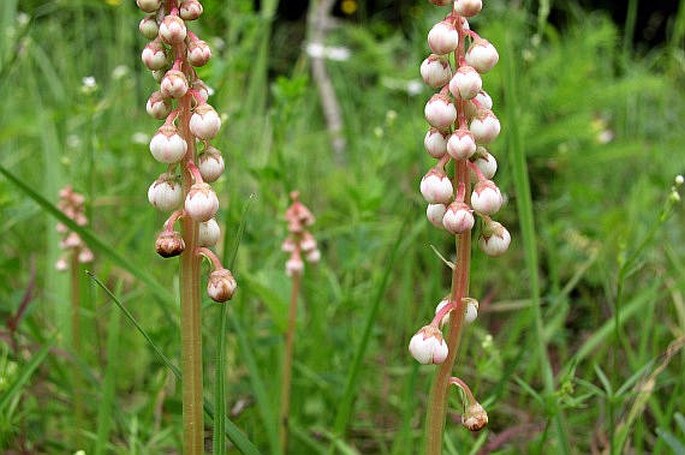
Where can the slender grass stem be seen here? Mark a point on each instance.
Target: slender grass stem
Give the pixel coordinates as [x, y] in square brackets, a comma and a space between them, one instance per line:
[220, 384]
[288, 363]
[191, 336]
[435, 421]
[77, 379]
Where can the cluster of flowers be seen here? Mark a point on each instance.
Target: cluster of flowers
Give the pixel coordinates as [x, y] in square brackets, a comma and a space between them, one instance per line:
[181, 101]
[299, 241]
[71, 204]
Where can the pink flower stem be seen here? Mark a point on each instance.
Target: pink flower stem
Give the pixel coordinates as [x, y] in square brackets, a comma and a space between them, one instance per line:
[194, 171]
[169, 223]
[470, 399]
[442, 313]
[286, 379]
[209, 254]
[461, 192]
[437, 410]
[474, 167]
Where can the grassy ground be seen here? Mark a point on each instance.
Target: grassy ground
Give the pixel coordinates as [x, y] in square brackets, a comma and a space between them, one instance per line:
[601, 250]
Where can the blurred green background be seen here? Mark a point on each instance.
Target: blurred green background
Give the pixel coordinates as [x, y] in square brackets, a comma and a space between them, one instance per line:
[593, 98]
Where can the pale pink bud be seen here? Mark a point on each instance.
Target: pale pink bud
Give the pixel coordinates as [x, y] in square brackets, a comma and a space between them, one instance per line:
[174, 84]
[169, 244]
[481, 101]
[486, 163]
[294, 266]
[482, 55]
[71, 241]
[167, 146]
[436, 187]
[446, 318]
[190, 10]
[288, 245]
[61, 228]
[199, 53]
[466, 83]
[458, 218]
[86, 256]
[468, 8]
[461, 145]
[148, 27]
[313, 256]
[211, 164]
[428, 346]
[205, 122]
[435, 143]
[172, 30]
[165, 193]
[471, 310]
[443, 38]
[157, 106]
[486, 197]
[435, 213]
[485, 127]
[308, 243]
[436, 71]
[61, 265]
[154, 55]
[201, 202]
[221, 285]
[149, 6]
[495, 239]
[440, 112]
[209, 233]
[475, 418]
[202, 88]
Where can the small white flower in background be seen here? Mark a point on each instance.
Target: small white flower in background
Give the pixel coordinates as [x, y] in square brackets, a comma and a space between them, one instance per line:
[140, 138]
[120, 72]
[335, 53]
[88, 85]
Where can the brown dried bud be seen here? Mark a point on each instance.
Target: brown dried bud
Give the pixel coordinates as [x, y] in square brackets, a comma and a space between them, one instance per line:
[221, 285]
[169, 244]
[475, 418]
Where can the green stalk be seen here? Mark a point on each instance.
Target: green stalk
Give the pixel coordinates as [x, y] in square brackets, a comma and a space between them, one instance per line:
[288, 364]
[191, 336]
[220, 383]
[435, 420]
[77, 380]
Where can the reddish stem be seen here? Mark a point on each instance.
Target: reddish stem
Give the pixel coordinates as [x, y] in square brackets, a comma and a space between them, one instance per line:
[209, 254]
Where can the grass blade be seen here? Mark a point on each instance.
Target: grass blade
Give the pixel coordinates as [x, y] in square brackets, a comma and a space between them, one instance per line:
[345, 409]
[90, 238]
[25, 375]
[232, 431]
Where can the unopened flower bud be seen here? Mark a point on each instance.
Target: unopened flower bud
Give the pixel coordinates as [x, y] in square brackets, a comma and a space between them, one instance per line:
[486, 163]
[174, 84]
[201, 88]
[165, 193]
[294, 266]
[154, 55]
[313, 256]
[486, 197]
[468, 8]
[435, 213]
[475, 418]
[169, 244]
[167, 146]
[190, 10]
[221, 285]
[211, 164]
[436, 71]
[485, 127]
[201, 203]
[482, 56]
[199, 53]
[440, 112]
[428, 346]
[436, 187]
[495, 239]
[205, 122]
[149, 6]
[461, 145]
[458, 218]
[435, 143]
[308, 243]
[148, 27]
[71, 241]
[288, 245]
[443, 38]
[61, 265]
[466, 83]
[173, 30]
[209, 233]
[471, 310]
[157, 106]
[86, 256]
